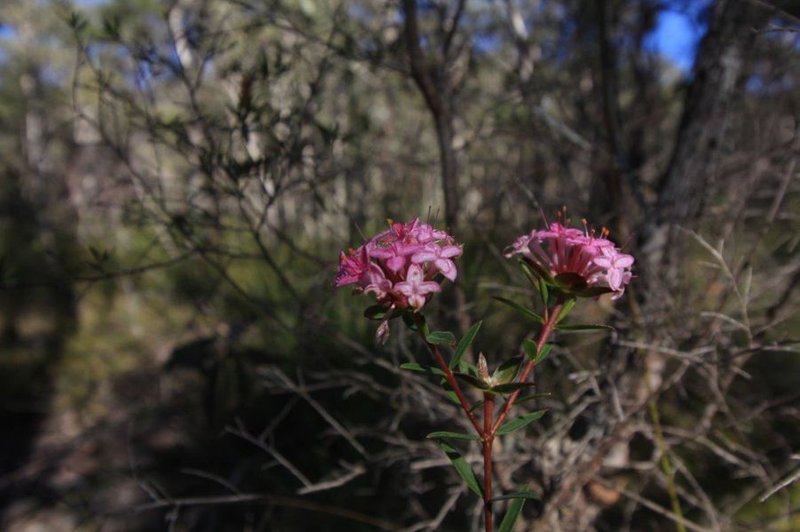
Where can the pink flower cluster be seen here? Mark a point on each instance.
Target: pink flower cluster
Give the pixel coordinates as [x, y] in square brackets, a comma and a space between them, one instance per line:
[400, 264]
[561, 250]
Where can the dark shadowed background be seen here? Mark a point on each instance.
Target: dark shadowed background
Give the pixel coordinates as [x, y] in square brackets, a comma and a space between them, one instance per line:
[178, 176]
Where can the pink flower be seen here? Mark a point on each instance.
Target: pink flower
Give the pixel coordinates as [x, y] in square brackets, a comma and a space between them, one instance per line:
[401, 265]
[617, 266]
[574, 260]
[440, 257]
[415, 287]
[352, 266]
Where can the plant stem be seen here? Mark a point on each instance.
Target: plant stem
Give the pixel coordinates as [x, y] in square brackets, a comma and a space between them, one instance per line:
[448, 375]
[547, 328]
[488, 439]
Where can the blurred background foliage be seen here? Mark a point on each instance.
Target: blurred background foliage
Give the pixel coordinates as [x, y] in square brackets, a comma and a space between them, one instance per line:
[178, 176]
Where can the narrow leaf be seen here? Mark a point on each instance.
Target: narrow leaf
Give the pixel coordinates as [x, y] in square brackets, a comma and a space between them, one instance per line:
[462, 467]
[471, 380]
[540, 272]
[452, 396]
[514, 509]
[518, 423]
[517, 495]
[441, 338]
[529, 346]
[541, 355]
[444, 435]
[413, 366]
[544, 292]
[531, 397]
[521, 309]
[566, 309]
[532, 276]
[511, 387]
[507, 371]
[584, 328]
[465, 342]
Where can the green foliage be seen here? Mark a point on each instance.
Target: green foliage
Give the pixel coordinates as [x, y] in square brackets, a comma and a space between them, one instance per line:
[586, 328]
[444, 435]
[413, 366]
[528, 313]
[512, 514]
[519, 422]
[463, 344]
[507, 371]
[462, 467]
[471, 380]
[441, 338]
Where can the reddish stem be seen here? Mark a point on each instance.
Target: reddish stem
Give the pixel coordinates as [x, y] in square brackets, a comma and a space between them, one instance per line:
[488, 439]
[448, 375]
[547, 328]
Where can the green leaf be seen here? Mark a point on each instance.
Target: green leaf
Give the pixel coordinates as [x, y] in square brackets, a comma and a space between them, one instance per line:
[546, 348]
[518, 423]
[408, 319]
[471, 380]
[529, 346]
[511, 387]
[540, 272]
[517, 495]
[466, 367]
[453, 397]
[375, 312]
[584, 328]
[413, 366]
[444, 435]
[529, 272]
[521, 309]
[532, 396]
[544, 292]
[507, 371]
[441, 338]
[462, 467]
[566, 309]
[510, 519]
[465, 342]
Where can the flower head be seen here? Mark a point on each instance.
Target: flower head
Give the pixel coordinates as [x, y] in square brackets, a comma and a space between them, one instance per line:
[574, 260]
[401, 266]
